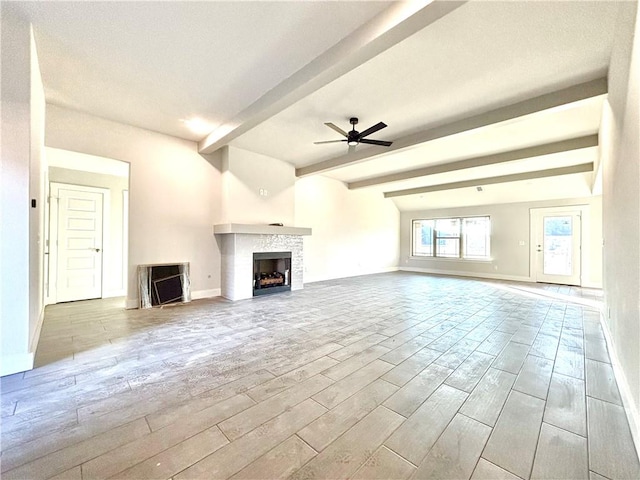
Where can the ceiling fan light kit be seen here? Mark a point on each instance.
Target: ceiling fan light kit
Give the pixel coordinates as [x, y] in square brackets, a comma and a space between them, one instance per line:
[353, 137]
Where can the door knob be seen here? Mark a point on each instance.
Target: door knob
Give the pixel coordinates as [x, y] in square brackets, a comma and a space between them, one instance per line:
[95, 249]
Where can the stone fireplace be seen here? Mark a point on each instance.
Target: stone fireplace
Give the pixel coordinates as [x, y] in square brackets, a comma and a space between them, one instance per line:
[238, 244]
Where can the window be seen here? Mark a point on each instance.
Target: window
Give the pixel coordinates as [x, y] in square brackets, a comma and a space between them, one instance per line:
[423, 237]
[448, 237]
[467, 237]
[476, 237]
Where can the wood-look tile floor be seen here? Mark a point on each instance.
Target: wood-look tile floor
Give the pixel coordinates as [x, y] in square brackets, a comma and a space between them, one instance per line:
[387, 376]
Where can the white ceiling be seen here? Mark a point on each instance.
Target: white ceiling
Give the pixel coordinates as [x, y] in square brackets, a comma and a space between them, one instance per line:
[153, 64]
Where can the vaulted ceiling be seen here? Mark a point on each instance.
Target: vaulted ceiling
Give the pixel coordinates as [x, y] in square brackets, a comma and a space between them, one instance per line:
[503, 95]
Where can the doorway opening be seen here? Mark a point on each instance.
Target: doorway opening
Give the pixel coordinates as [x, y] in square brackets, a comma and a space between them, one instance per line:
[86, 242]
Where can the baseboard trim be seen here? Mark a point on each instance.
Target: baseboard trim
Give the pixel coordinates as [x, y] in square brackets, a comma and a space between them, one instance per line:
[35, 339]
[454, 273]
[631, 410]
[114, 293]
[133, 303]
[16, 363]
[357, 274]
[198, 294]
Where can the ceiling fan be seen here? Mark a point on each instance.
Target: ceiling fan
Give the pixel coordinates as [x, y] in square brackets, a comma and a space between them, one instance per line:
[354, 137]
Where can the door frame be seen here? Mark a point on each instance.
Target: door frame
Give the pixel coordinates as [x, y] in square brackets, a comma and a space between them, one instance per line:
[584, 224]
[54, 188]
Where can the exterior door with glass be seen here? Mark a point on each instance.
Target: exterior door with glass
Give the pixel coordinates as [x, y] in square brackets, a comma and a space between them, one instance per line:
[557, 245]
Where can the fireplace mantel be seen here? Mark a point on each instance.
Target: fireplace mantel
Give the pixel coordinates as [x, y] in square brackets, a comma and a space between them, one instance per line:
[254, 229]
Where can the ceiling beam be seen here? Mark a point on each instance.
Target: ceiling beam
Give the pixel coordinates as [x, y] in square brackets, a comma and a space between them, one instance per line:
[552, 172]
[537, 104]
[395, 24]
[530, 152]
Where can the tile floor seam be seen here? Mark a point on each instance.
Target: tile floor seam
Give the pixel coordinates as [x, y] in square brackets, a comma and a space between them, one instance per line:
[305, 442]
[586, 419]
[457, 412]
[474, 419]
[155, 453]
[598, 361]
[603, 476]
[455, 325]
[391, 449]
[570, 376]
[535, 450]
[498, 416]
[481, 452]
[501, 468]
[87, 460]
[80, 441]
[563, 429]
[605, 401]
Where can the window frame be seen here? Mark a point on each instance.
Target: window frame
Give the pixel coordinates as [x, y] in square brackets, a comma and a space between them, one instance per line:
[461, 237]
[458, 237]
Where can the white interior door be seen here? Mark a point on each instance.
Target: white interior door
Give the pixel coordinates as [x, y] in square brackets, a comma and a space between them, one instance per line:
[557, 243]
[79, 242]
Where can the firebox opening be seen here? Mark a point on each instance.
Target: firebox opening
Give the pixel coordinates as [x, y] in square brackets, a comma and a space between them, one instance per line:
[271, 272]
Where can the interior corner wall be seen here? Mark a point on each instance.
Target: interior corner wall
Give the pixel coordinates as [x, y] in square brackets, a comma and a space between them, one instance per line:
[37, 188]
[257, 189]
[354, 232]
[174, 194]
[21, 181]
[510, 226]
[620, 150]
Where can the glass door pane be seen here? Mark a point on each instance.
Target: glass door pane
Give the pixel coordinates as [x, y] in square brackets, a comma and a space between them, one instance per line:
[558, 245]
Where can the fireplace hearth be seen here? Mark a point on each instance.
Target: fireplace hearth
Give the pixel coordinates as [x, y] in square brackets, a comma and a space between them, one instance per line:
[271, 272]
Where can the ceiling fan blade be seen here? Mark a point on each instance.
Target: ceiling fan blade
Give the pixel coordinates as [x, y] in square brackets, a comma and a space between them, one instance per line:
[352, 148]
[336, 128]
[375, 128]
[329, 141]
[382, 143]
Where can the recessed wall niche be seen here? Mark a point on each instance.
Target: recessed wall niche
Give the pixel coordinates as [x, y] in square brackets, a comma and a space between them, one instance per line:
[163, 284]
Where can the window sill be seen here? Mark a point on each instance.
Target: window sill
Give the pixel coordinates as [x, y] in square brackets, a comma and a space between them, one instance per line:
[449, 259]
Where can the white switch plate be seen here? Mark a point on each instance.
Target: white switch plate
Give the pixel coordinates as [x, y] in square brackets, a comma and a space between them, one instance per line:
[521, 243]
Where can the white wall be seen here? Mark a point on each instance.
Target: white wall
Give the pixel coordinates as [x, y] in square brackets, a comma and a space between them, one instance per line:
[113, 281]
[509, 226]
[21, 179]
[86, 163]
[245, 174]
[37, 189]
[175, 194]
[355, 232]
[619, 138]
